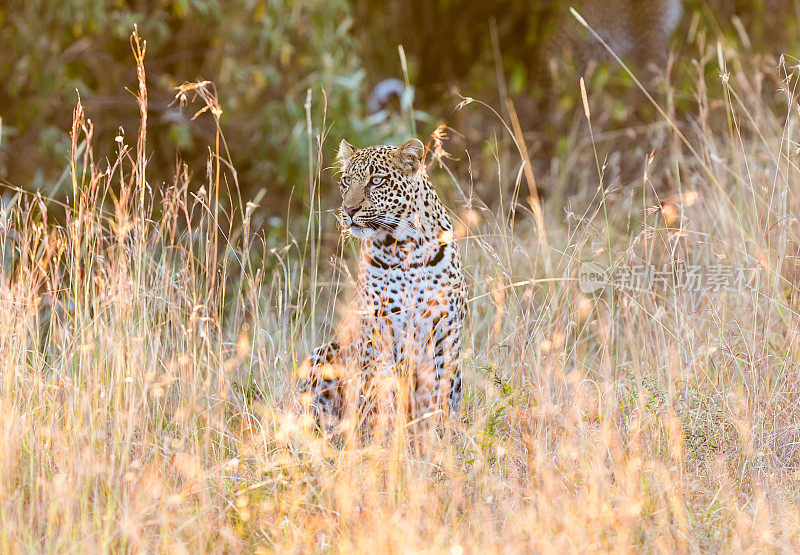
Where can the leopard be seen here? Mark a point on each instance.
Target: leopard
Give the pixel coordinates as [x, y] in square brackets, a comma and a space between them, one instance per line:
[410, 297]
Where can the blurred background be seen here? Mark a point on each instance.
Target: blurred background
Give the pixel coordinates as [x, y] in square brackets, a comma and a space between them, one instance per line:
[267, 58]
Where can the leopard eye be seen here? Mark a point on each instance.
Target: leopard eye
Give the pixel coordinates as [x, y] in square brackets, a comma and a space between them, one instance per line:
[377, 180]
[345, 182]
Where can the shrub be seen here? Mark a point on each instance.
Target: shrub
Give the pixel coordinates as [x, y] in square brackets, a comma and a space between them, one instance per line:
[264, 57]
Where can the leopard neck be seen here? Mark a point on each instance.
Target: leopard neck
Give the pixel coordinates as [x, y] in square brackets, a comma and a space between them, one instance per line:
[426, 220]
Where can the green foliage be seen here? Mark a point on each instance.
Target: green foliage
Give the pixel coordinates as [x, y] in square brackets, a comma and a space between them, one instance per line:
[263, 56]
[266, 56]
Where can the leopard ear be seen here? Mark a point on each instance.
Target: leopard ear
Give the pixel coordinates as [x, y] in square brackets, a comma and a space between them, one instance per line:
[346, 151]
[409, 155]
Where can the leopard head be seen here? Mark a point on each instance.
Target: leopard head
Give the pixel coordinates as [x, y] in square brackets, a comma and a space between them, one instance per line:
[380, 186]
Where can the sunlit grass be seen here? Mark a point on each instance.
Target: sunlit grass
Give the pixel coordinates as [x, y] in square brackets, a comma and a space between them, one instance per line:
[147, 346]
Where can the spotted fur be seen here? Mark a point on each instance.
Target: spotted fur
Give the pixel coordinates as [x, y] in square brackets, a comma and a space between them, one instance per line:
[410, 292]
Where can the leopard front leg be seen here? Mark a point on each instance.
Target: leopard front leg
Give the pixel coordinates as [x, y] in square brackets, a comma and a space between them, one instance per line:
[450, 367]
[438, 377]
[379, 382]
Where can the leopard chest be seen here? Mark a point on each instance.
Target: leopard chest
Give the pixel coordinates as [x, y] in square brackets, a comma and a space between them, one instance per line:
[406, 290]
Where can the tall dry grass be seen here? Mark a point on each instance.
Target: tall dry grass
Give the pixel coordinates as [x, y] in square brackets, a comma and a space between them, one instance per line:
[147, 344]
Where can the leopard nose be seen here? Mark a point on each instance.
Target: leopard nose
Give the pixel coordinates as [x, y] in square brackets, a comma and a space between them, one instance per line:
[350, 210]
